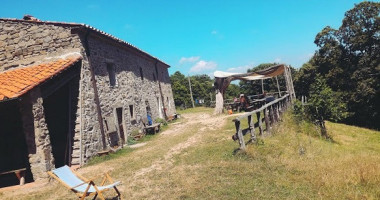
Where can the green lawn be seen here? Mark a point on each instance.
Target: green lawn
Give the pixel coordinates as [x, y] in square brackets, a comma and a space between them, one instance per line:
[198, 161]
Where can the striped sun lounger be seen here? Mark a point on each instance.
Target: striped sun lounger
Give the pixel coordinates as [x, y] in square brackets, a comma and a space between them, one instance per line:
[81, 186]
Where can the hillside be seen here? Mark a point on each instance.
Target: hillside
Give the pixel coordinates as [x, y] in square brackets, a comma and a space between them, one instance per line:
[194, 159]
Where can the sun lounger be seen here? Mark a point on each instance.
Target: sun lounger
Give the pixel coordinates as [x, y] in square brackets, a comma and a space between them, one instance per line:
[81, 186]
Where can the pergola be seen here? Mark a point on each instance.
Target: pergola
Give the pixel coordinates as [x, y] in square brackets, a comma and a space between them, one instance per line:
[223, 79]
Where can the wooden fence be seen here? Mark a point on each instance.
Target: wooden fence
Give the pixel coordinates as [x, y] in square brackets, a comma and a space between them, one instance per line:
[272, 113]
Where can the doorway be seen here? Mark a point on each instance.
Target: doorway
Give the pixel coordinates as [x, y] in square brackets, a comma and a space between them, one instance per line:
[13, 146]
[119, 113]
[58, 109]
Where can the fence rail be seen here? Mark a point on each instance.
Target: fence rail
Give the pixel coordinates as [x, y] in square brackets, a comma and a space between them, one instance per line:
[272, 113]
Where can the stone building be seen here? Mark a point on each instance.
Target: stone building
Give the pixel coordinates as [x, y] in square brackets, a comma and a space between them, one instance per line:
[68, 91]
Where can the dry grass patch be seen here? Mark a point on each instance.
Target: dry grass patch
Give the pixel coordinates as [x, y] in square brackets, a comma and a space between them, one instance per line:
[196, 159]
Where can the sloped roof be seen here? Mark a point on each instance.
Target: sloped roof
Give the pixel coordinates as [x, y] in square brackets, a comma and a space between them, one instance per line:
[262, 74]
[16, 82]
[81, 25]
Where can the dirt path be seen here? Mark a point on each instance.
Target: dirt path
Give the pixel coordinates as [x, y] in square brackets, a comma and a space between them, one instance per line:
[199, 123]
[205, 122]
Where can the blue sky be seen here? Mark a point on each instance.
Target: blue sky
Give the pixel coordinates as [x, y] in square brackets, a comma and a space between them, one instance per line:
[199, 36]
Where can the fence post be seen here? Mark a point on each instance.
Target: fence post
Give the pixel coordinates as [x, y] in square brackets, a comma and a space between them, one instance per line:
[251, 127]
[260, 123]
[271, 117]
[266, 118]
[276, 111]
[240, 135]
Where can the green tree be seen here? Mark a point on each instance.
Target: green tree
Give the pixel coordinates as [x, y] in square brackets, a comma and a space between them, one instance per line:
[181, 92]
[324, 104]
[304, 78]
[348, 59]
[232, 91]
[201, 85]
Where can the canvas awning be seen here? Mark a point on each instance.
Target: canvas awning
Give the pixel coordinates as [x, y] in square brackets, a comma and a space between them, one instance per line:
[223, 79]
[258, 75]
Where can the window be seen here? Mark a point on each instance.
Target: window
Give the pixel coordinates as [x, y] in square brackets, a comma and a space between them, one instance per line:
[141, 74]
[111, 74]
[131, 111]
[157, 73]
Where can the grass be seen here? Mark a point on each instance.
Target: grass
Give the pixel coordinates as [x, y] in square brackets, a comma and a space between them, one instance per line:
[113, 155]
[293, 163]
[196, 110]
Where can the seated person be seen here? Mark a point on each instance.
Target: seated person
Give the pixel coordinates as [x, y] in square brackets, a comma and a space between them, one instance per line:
[269, 99]
[243, 102]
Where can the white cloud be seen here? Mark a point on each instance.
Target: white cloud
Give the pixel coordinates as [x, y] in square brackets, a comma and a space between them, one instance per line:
[240, 69]
[203, 66]
[189, 59]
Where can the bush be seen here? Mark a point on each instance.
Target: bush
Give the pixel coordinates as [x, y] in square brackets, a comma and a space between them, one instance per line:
[324, 104]
[299, 111]
[131, 140]
[162, 121]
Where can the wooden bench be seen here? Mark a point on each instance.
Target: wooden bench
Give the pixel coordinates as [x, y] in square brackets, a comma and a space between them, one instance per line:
[20, 174]
[154, 128]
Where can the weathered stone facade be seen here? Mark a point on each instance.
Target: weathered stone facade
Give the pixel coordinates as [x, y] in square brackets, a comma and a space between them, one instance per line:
[22, 43]
[36, 134]
[140, 80]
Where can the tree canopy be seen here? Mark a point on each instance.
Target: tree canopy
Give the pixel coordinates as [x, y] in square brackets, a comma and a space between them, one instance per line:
[348, 59]
[201, 85]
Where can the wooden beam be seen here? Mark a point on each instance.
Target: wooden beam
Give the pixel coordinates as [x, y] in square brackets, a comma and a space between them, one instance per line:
[278, 87]
[56, 82]
[260, 109]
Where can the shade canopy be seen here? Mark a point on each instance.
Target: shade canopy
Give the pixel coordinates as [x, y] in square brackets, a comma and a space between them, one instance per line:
[258, 75]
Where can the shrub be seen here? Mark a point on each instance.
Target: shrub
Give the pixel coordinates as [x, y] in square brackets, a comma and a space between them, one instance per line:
[162, 121]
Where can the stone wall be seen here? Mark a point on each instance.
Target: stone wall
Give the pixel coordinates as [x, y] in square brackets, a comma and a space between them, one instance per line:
[23, 43]
[166, 90]
[36, 133]
[87, 137]
[130, 88]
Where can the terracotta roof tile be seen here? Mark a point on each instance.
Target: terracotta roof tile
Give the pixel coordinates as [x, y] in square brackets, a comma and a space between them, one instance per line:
[14, 83]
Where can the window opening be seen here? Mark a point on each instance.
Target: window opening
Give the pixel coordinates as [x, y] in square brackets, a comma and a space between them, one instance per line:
[111, 74]
[131, 111]
[141, 74]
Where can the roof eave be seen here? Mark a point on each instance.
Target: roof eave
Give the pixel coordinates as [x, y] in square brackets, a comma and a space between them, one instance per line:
[88, 27]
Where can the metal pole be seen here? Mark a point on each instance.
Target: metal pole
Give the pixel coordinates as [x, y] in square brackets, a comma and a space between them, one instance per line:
[191, 93]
